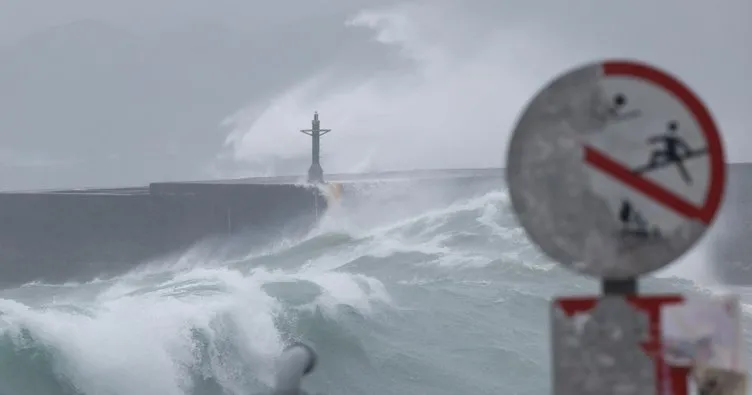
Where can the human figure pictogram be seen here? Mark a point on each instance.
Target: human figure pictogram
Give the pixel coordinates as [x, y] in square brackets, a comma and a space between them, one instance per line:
[618, 103]
[674, 150]
[633, 223]
[615, 111]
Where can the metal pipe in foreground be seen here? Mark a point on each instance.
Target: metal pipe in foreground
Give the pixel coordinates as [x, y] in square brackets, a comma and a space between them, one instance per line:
[296, 361]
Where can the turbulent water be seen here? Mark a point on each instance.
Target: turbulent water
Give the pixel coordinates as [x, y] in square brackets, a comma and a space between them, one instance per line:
[408, 296]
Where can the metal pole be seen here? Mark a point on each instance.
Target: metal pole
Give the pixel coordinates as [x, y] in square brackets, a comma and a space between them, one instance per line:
[623, 287]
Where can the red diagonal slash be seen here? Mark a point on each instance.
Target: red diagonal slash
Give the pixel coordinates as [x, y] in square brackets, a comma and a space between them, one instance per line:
[658, 193]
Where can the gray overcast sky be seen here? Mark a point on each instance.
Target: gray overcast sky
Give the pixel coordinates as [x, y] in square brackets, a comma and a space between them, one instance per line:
[140, 91]
[20, 17]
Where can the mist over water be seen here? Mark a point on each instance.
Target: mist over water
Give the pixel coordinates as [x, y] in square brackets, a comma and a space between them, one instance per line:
[465, 76]
[451, 105]
[108, 94]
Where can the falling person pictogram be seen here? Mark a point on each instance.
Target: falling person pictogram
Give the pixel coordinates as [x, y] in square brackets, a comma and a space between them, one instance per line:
[616, 110]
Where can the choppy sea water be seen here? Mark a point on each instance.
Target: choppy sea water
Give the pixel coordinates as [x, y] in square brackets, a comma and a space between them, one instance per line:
[415, 296]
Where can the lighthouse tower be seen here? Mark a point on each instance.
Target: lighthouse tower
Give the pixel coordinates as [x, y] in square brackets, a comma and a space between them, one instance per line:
[315, 172]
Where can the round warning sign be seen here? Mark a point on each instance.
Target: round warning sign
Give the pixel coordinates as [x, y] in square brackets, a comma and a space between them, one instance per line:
[615, 169]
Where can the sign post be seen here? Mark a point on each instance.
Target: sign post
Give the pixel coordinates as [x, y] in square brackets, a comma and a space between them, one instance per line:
[615, 170]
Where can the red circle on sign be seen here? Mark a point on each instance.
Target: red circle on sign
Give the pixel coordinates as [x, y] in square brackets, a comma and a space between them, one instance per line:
[701, 115]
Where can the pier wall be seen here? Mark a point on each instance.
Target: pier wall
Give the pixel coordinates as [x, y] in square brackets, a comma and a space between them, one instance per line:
[61, 236]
